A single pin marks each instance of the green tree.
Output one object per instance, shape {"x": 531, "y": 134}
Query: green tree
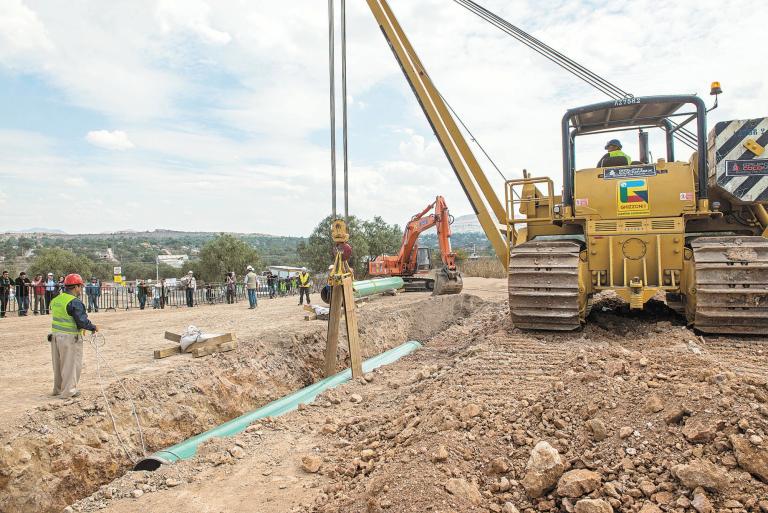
{"x": 223, "y": 254}
{"x": 60, "y": 262}
{"x": 317, "y": 252}
{"x": 382, "y": 238}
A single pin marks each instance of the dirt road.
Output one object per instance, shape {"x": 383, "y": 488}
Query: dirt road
{"x": 633, "y": 413}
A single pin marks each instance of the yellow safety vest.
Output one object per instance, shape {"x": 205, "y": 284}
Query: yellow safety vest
{"x": 619, "y": 153}
{"x": 61, "y": 321}
{"x": 304, "y": 278}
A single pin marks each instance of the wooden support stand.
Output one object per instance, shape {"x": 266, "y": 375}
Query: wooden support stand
{"x": 217, "y": 344}
{"x": 342, "y": 294}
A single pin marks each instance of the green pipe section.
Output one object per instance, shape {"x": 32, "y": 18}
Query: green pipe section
{"x": 365, "y": 288}
{"x": 188, "y": 448}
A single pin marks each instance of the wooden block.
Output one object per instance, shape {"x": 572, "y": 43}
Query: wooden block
{"x": 310, "y": 317}
{"x": 332, "y": 338}
{"x": 173, "y": 337}
{"x": 213, "y": 341}
{"x": 168, "y": 351}
{"x": 353, "y": 335}
{"x": 220, "y": 348}
{"x": 309, "y": 308}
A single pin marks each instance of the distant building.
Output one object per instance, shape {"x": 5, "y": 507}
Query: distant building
{"x": 175, "y": 261}
{"x": 284, "y": 271}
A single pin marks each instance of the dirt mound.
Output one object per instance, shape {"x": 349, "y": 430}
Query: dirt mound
{"x": 65, "y": 451}
{"x": 578, "y": 422}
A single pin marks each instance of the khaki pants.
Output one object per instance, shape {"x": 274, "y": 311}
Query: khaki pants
{"x": 67, "y": 358}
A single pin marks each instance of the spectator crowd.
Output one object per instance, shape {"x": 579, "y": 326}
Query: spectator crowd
{"x": 36, "y": 294}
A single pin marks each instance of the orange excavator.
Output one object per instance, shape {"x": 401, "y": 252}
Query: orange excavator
{"x": 414, "y": 264}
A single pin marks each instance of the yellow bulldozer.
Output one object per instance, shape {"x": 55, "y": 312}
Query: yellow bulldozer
{"x": 693, "y": 232}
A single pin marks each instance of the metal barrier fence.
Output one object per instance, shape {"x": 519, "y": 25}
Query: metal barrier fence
{"x": 126, "y": 297}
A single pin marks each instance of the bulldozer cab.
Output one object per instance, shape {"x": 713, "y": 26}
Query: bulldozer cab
{"x": 635, "y": 114}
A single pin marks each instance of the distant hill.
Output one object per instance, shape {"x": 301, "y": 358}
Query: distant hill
{"x": 37, "y": 230}
{"x": 466, "y": 224}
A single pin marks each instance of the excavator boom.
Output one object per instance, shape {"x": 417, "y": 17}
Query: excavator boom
{"x": 447, "y": 279}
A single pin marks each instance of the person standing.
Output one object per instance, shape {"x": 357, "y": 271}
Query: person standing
{"x": 252, "y": 285}
{"x": 231, "y": 287}
{"x": 68, "y": 319}
{"x": 23, "y": 284}
{"x": 304, "y": 284}
{"x": 92, "y": 292}
{"x": 190, "y": 286}
{"x": 271, "y": 284}
{"x": 5, "y": 292}
{"x": 158, "y": 293}
{"x": 141, "y": 294}
{"x": 50, "y": 292}
{"x": 38, "y": 287}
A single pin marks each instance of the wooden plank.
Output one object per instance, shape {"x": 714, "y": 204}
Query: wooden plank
{"x": 213, "y": 341}
{"x": 173, "y": 337}
{"x": 332, "y": 339}
{"x": 220, "y": 348}
{"x": 168, "y": 351}
{"x": 310, "y": 317}
{"x": 309, "y": 308}
{"x": 353, "y": 335}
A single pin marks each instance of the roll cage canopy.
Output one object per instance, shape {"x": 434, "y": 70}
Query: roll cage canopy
{"x": 632, "y": 114}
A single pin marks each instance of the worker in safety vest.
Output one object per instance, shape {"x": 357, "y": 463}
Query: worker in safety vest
{"x": 252, "y": 285}
{"x": 614, "y": 157}
{"x": 304, "y": 282}
{"x": 68, "y": 319}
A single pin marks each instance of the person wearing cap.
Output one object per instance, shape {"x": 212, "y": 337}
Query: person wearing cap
{"x": 68, "y": 320}
{"x": 304, "y": 282}
{"x": 92, "y": 292}
{"x": 50, "y": 292}
{"x": 190, "y": 284}
{"x": 614, "y": 157}
{"x": 251, "y": 285}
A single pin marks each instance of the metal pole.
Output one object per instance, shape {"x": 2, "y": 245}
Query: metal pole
{"x": 331, "y": 66}
{"x": 344, "y": 104}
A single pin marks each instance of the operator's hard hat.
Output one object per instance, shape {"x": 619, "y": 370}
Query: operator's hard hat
{"x": 613, "y": 142}
{"x": 190, "y": 272}
{"x": 249, "y": 268}
{"x": 304, "y": 269}
{"x": 73, "y": 279}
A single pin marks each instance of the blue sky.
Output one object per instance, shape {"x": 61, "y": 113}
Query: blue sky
{"x": 198, "y": 115}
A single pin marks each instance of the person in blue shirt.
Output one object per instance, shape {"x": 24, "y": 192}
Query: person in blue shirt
{"x": 93, "y": 291}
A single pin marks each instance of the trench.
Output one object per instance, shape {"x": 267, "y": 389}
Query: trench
{"x": 65, "y": 453}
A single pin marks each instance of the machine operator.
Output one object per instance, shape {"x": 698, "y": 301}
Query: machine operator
{"x": 614, "y": 157}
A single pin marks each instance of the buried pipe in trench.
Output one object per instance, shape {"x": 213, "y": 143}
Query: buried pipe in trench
{"x": 188, "y": 448}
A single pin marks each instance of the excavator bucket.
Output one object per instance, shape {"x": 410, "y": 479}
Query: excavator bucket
{"x": 447, "y": 282}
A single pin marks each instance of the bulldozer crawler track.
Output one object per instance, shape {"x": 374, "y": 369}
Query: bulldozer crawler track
{"x": 544, "y": 286}
{"x": 731, "y": 285}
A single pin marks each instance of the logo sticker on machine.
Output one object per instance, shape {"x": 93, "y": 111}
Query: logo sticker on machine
{"x": 686, "y": 196}
{"x": 746, "y": 167}
{"x": 613, "y": 173}
{"x": 632, "y": 198}
{"x": 582, "y": 202}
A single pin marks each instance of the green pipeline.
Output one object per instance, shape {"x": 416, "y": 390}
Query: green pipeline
{"x": 365, "y": 288}
{"x": 188, "y": 448}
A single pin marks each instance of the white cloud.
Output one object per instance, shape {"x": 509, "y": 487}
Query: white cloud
{"x": 114, "y": 140}
{"x": 190, "y": 15}
{"x": 21, "y": 32}
{"x": 75, "y": 181}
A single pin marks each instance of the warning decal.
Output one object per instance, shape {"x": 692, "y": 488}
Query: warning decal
{"x": 632, "y": 198}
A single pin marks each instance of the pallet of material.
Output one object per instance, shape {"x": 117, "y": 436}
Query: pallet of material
{"x": 215, "y": 344}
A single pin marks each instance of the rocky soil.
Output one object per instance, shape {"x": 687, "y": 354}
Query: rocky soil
{"x": 634, "y": 413}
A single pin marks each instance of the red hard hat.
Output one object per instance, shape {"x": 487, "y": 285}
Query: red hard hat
{"x": 73, "y": 279}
